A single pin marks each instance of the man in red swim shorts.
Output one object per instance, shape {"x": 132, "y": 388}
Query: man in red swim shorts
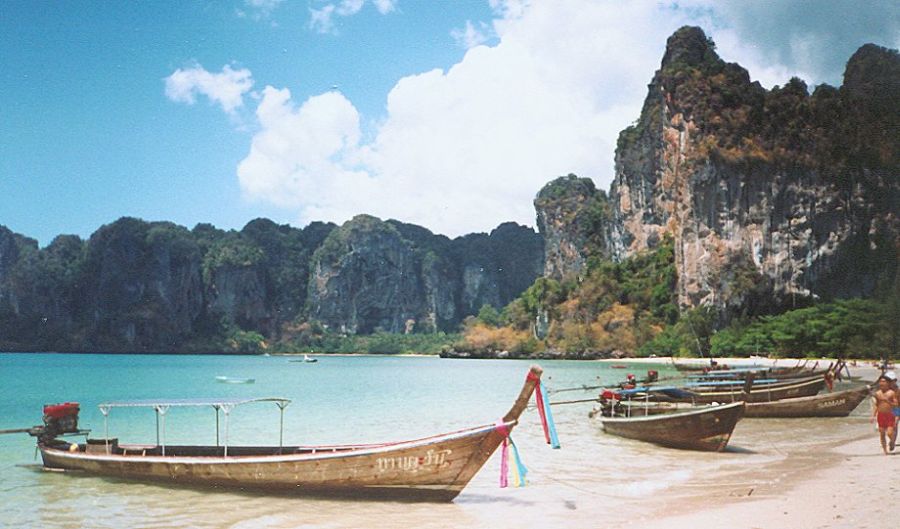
{"x": 885, "y": 400}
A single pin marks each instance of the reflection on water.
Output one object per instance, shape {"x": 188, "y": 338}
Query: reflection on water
{"x": 596, "y": 479}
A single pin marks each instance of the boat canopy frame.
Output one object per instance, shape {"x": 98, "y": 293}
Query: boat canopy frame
{"x": 161, "y": 407}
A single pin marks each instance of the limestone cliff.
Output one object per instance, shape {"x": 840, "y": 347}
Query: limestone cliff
{"x": 772, "y": 195}
{"x": 155, "y": 286}
{"x": 142, "y": 286}
{"x": 373, "y": 275}
{"x": 572, "y": 215}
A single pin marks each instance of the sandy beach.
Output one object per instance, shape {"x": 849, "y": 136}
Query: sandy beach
{"x": 855, "y": 487}
{"x": 851, "y": 485}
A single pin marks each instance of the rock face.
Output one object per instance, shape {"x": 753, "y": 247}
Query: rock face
{"x": 772, "y": 197}
{"x": 155, "y": 286}
{"x": 142, "y": 285}
{"x": 372, "y": 275}
{"x": 572, "y": 216}
{"x": 366, "y": 277}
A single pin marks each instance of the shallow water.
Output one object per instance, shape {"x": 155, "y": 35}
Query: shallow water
{"x": 595, "y": 480}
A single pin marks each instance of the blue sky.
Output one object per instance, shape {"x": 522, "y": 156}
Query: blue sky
{"x": 447, "y": 114}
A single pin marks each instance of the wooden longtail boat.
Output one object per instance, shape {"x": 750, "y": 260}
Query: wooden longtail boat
{"x": 837, "y": 404}
{"x": 430, "y": 469}
{"x": 793, "y": 388}
{"x": 705, "y": 428}
{"x": 772, "y": 373}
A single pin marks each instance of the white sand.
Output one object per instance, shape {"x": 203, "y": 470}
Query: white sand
{"x": 858, "y": 492}
{"x": 853, "y": 485}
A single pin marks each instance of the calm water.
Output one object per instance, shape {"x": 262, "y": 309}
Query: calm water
{"x": 594, "y": 480}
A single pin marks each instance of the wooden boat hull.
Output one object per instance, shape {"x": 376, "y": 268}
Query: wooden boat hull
{"x": 837, "y": 404}
{"x": 708, "y": 428}
{"x": 798, "y": 388}
{"x": 434, "y": 469}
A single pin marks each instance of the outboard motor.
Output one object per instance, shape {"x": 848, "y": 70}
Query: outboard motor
{"x": 59, "y": 419}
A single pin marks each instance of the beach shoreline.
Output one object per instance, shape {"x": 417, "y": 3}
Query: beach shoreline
{"x": 847, "y": 484}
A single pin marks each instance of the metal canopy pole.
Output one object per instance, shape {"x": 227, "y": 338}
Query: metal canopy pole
{"x": 217, "y": 425}
{"x": 157, "y": 426}
{"x": 105, "y": 411}
{"x": 226, "y": 408}
{"x": 161, "y": 412}
{"x": 281, "y": 407}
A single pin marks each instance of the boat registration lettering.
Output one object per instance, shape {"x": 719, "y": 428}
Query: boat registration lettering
{"x": 832, "y": 403}
{"x": 432, "y": 458}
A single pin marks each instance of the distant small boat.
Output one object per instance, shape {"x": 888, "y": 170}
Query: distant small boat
{"x": 306, "y": 360}
{"x": 619, "y": 366}
{"x": 231, "y": 380}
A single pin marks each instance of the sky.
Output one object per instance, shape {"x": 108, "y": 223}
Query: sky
{"x": 448, "y": 114}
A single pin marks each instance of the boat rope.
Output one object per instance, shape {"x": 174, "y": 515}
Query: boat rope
{"x": 548, "y": 477}
{"x": 577, "y": 401}
{"x": 589, "y": 388}
{"x": 543, "y": 406}
{"x": 580, "y": 388}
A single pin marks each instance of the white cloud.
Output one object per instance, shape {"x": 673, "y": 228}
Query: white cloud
{"x": 812, "y": 40}
{"x": 349, "y": 7}
{"x": 226, "y": 88}
{"x": 302, "y": 155}
{"x": 385, "y": 6}
{"x": 470, "y": 36}
{"x": 321, "y": 20}
{"x": 258, "y": 9}
{"x": 464, "y": 149}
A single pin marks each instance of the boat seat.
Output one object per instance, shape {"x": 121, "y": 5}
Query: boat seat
{"x": 136, "y": 448}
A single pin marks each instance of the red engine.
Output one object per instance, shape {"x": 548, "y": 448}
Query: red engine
{"x": 610, "y": 395}
{"x": 59, "y": 419}
{"x": 58, "y": 411}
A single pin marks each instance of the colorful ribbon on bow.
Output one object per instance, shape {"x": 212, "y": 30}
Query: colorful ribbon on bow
{"x": 518, "y": 470}
{"x": 543, "y": 406}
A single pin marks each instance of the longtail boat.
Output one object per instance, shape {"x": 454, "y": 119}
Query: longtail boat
{"x": 435, "y": 468}
{"x": 725, "y": 391}
{"x": 706, "y": 428}
{"x": 781, "y": 373}
{"x": 736, "y": 392}
{"x": 836, "y": 404}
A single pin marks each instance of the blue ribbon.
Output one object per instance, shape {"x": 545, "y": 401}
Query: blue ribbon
{"x": 554, "y": 440}
{"x": 519, "y": 466}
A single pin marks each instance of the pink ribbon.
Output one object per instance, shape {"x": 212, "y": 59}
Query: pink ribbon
{"x": 540, "y": 405}
{"x": 503, "y": 430}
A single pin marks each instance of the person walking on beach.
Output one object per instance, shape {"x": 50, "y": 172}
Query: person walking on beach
{"x": 885, "y": 401}
{"x": 892, "y": 377}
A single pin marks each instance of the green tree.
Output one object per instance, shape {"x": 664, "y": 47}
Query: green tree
{"x": 488, "y": 315}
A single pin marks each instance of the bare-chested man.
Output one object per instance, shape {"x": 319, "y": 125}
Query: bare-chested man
{"x": 883, "y": 412}
{"x": 892, "y": 377}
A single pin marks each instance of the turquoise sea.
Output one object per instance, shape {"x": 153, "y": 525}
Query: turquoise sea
{"x": 593, "y": 480}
